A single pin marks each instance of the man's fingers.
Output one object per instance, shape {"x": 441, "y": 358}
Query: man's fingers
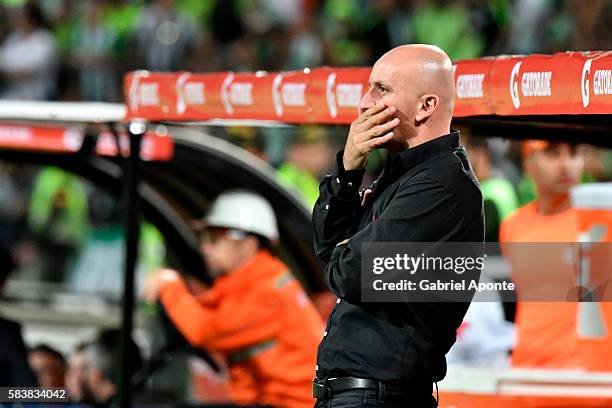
{"x": 381, "y": 130}
{"x": 377, "y": 141}
{"x": 379, "y": 107}
{"x": 382, "y": 117}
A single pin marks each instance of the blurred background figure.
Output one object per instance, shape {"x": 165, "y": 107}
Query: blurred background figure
{"x": 75, "y": 380}
{"x": 485, "y": 338}
{"x": 14, "y": 368}
{"x": 13, "y": 206}
{"x": 546, "y": 331}
{"x": 498, "y": 193}
{"x": 305, "y": 46}
{"x": 101, "y": 367}
{"x": 92, "y": 48}
{"x": 308, "y": 157}
{"x": 256, "y": 315}
{"x": 164, "y": 37}
{"x": 28, "y": 60}
{"x": 250, "y": 139}
{"x": 58, "y": 220}
{"x": 98, "y": 265}
{"x": 48, "y": 364}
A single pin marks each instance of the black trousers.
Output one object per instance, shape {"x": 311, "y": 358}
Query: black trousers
{"x": 385, "y": 397}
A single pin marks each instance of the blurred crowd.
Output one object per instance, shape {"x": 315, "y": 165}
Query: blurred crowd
{"x": 79, "y": 50}
{"x": 66, "y": 232}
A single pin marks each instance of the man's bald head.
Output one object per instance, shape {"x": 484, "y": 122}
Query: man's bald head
{"x": 426, "y": 67}
{"x": 418, "y": 81}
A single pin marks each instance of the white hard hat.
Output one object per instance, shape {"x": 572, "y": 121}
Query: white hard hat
{"x": 245, "y": 211}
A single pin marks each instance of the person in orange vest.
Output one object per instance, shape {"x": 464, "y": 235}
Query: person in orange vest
{"x": 545, "y": 330}
{"x": 256, "y": 314}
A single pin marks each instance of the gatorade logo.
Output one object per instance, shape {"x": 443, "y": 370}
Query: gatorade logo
{"x": 470, "y": 86}
{"x": 236, "y": 93}
{"x": 536, "y": 83}
{"x": 241, "y": 93}
{"x": 188, "y": 93}
{"x": 342, "y": 95}
{"x": 602, "y": 82}
{"x": 294, "y": 94}
{"x": 146, "y": 94}
{"x": 330, "y": 94}
{"x": 224, "y": 94}
{"x": 584, "y": 83}
{"x": 287, "y": 94}
{"x": 133, "y": 91}
{"x": 348, "y": 95}
{"x": 276, "y": 97}
{"x": 514, "y": 91}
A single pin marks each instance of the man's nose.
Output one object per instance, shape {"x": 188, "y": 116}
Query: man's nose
{"x": 366, "y": 102}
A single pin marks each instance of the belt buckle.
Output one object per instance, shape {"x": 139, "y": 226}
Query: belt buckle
{"x": 320, "y": 390}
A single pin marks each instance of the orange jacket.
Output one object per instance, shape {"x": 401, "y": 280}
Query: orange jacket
{"x": 546, "y": 331}
{"x": 259, "y": 318}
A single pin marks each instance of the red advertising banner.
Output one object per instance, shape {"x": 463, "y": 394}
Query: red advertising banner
{"x": 472, "y": 91}
{"x": 42, "y": 139}
{"x": 568, "y": 83}
{"x": 155, "y": 146}
{"x": 572, "y": 83}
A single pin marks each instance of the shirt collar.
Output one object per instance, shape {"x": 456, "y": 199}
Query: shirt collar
{"x": 409, "y": 158}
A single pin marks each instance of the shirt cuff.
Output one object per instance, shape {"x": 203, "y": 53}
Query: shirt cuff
{"x": 346, "y": 183}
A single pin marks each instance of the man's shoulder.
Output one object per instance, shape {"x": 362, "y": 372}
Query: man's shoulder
{"x": 450, "y": 170}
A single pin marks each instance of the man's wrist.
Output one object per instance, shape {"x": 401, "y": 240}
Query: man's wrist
{"x": 346, "y": 181}
{"x": 351, "y": 165}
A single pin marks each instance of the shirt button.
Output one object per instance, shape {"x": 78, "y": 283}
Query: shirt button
{"x": 338, "y": 301}
{"x": 327, "y": 206}
{"x": 325, "y": 333}
{"x": 350, "y": 184}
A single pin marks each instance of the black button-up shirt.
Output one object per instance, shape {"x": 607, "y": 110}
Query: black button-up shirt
{"x": 425, "y": 194}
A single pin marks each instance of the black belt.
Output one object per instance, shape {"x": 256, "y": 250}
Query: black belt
{"x": 322, "y": 389}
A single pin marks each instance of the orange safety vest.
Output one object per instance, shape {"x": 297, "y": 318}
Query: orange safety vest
{"x": 260, "y": 319}
{"x": 547, "y": 331}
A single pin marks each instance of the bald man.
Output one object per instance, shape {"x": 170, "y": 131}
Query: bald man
{"x": 386, "y": 354}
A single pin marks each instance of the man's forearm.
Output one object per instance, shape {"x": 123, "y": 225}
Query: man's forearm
{"x": 337, "y": 209}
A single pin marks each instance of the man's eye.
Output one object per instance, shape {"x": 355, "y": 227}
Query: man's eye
{"x": 382, "y": 88}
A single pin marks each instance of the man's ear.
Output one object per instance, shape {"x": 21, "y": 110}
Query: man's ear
{"x": 428, "y": 103}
